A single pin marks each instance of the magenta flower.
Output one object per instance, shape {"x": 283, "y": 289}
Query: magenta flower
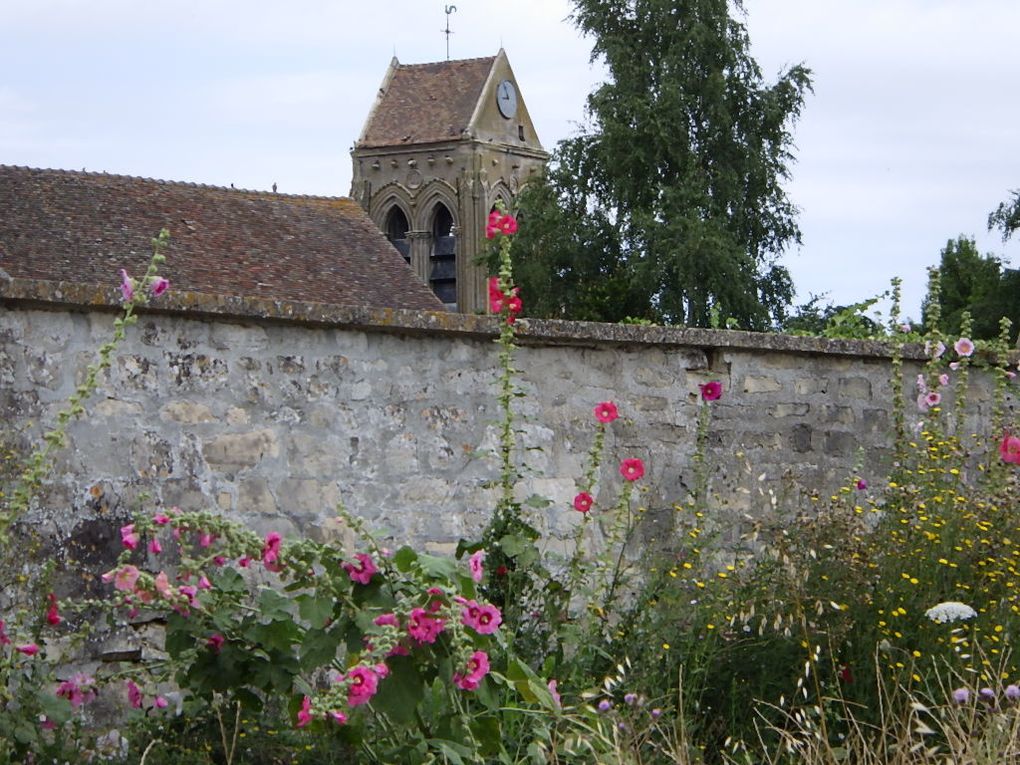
{"x": 711, "y": 391}
{"x": 424, "y": 627}
{"x": 29, "y": 649}
{"x": 933, "y": 398}
{"x": 476, "y": 669}
{"x": 606, "y": 412}
{"x": 583, "y": 502}
{"x": 53, "y": 612}
{"x": 963, "y": 346}
{"x": 206, "y": 539}
{"x": 362, "y": 571}
{"x": 155, "y": 547}
{"x": 163, "y": 586}
{"x": 632, "y": 469}
{"x": 304, "y": 715}
{"x": 161, "y": 519}
{"x": 158, "y": 286}
{"x": 482, "y": 618}
{"x": 475, "y": 564}
{"x": 551, "y": 685}
{"x": 78, "y": 690}
{"x": 127, "y": 286}
{"x": 338, "y": 717}
{"x": 125, "y": 578}
{"x": 134, "y": 694}
{"x": 4, "y": 640}
{"x": 363, "y": 684}
{"x": 271, "y": 551}
{"x": 128, "y": 536}
{"x": 159, "y": 702}
{"x": 861, "y": 484}
{"x": 943, "y": 379}
{"x": 1009, "y": 449}
{"x": 215, "y": 642}
{"x": 386, "y": 620}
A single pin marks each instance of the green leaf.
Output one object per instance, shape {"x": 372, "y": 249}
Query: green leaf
{"x": 316, "y": 610}
{"x": 537, "y": 501}
{"x": 319, "y": 648}
{"x": 404, "y": 559}
{"x": 56, "y": 709}
{"x": 402, "y": 692}
{"x": 272, "y": 605}
{"x": 440, "y": 568}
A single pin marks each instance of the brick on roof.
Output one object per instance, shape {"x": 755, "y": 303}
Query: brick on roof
{"x": 427, "y": 103}
{"x": 83, "y": 227}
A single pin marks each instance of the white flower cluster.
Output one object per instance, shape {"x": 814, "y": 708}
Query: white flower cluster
{"x": 950, "y": 611}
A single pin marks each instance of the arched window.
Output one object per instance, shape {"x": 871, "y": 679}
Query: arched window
{"x": 443, "y": 257}
{"x": 396, "y": 227}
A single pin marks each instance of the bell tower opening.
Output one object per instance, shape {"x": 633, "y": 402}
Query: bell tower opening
{"x": 443, "y": 257}
{"x": 396, "y": 228}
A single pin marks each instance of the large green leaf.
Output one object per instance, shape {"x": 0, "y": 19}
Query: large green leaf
{"x": 317, "y": 610}
{"x": 402, "y": 692}
{"x": 319, "y": 648}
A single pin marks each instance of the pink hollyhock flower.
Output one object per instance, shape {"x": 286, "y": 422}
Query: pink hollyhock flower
{"x": 128, "y": 536}
{"x": 159, "y": 702}
{"x": 943, "y": 379}
{"x": 482, "y": 618}
{"x": 78, "y": 690}
{"x": 155, "y": 547}
{"x": 4, "y": 640}
{"x": 304, "y": 715}
{"x": 381, "y": 670}
{"x": 424, "y": 627}
{"x": 161, "y": 519}
{"x": 53, "y": 612}
{"x": 206, "y": 539}
{"x": 386, "y": 620}
{"x": 495, "y": 295}
{"x": 134, "y": 694}
{"x": 244, "y": 561}
{"x": 477, "y": 668}
{"x": 583, "y": 502}
{"x": 271, "y": 551}
{"x": 363, "y": 684}
{"x": 514, "y": 306}
{"x": 162, "y": 585}
{"x": 606, "y": 412}
{"x": 861, "y": 484}
{"x": 922, "y": 402}
{"x": 1009, "y": 449}
{"x": 632, "y": 469}
{"x": 508, "y": 225}
{"x": 963, "y": 346}
{"x": 188, "y": 591}
{"x": 362, "y": 571}
{"x": 936, "y": 351}
{"x": 204, "y": 583}
{"x": 158, "y": 286}
{"x": 934, "y": 398}
{"x": 127, "y": 286}
{"x": 215, "y": 642}
{"x": 905, "y": 327}
{"x": 954, "y": 365}
{"x": 338, "y": 717}
{"x": 125, "y": 578}
{"x": 922, "y": 384}
{"x": 492, "y": 225}
{"x": 711, "y": 391}
{"x": 475, "y": 564}
{"x": 29, "y": 649}
{"x": 219, "y": 560}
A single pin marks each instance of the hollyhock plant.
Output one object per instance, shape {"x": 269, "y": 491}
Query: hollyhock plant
{"x": 632, "y": 469}
{"x": 1009, "y": 449}
{"x": 477, "y": 668}
{"x": 482, "y": 618}
{"x": 362, "y": 571}
{"x": 583, "y": 502}
{"x": 363, "y": 684}
{"x": 475, "y": 565}
{"x": 606, "y": 412}
{"x": 963, "y": 347}
{"x": 711, "y": 391}
{"x": 424, "y": 627}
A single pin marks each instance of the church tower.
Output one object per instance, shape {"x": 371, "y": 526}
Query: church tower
{"x": 443, "y": 143}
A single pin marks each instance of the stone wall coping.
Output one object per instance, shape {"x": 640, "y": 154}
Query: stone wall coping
{"x": 52, "y": 295}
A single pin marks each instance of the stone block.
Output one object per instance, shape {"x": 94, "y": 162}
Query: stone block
{"x": 854, "y": 387}
{"x": 761, "y": 384}
{"x": 233, "y": 451}
{"x": 800, "y": 438}
{"x": 186, "y": 412}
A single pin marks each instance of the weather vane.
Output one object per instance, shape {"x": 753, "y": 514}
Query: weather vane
{"x": 448, "y": 9}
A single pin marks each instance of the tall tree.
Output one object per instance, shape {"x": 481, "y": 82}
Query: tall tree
{"x": 1006, "y": 216}
{"x": 669, "y": 202}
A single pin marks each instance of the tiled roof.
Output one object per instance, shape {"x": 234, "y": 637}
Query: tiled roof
{"x": 425, "y": 103}
{"x": 83, "y": 227}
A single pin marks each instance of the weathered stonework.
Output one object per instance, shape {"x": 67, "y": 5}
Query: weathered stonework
{"x": 272, "y": 413}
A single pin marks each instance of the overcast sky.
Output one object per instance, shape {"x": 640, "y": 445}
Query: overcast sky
{"x": 910, "y": 138}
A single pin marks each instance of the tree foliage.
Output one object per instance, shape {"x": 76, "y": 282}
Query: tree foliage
{"x": 669, "y": 202}
{"x": 1006, "y": 216}
{"x": 976, "y": 283}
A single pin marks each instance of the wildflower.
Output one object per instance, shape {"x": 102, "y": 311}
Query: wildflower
{"x": 204, "y": 583}
{"x": 53, "y": 612}
{"x": 161, "y": 519}
{"x": 583, "y": 502}
{"x": 215, "y": 642}
{"x": 363, "y": 571}
{"x": 338, "y": 717}
{"x": 558, "y": 702}
{"x": 134, "y": 694}
{"x": 943, "y": 379}
{"x": 963, "y": 346}
{"x": 954, "y": 365}
{"x": 630, "y": 699}
{"x": 845, "y": 674}
{"x": 29, "y": 649}
{"x": 155, "y": 547}
{"x": 159, "y": 702}
{"x": 127, "y": 286}
{"x": 711, "y": 391}
{"x": 922, "y": 402}
{"x": 606, "y": 412}
{"x": 271, "y": 551}
{"x": 477, "y": 668}
{"x": 1012, "y": 692}
{"x": 158, "y": 286}
{"x": 934, "y": 398}
{"x": 1009, "y": 449}
{"x": 363, "y": 684}
{"x": 861, "y": 484}
{"x": 206, "y": 539}
{"x": 304, "y": 715}
{"x": 605, "y": 705}
{"x": 4, "y": 640}
{"x": 961, "y": 695}
{"x": 385, "y": 620}
{"x": 475, "y": 564}
{"x": 905, "y": 327}
{"x": 424, "y": 627}
{"x": 128, "y": 536}
{"x": 950, "y": 611}
{"x": 495, "y": 295}
{"x": 632, "y": 469}
{"x": 935, "y": 351}
{"x": 987, "y": 695}
{"x": 656, "y": 713}
{"x": 78, "y": 690}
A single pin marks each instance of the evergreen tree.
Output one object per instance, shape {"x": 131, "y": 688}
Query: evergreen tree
{"x": 669, "y": 203}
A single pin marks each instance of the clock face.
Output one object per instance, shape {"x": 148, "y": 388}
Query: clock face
{"x": 506, "y": 99}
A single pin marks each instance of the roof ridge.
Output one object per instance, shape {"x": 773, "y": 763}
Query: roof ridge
{"x": 448, "y": 61}
{"x": 163, "y": 181}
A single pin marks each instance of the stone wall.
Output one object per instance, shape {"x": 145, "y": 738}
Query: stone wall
{"x": 274, "y": 412}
